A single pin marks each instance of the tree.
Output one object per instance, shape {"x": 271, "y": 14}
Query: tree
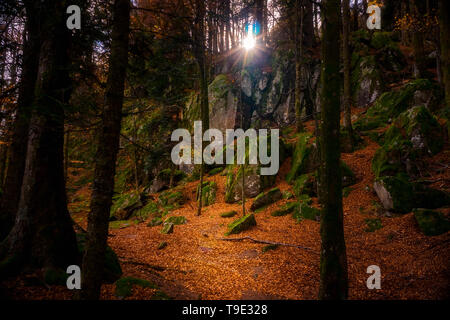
{"x": 347, "y": 89}
{"x": 418, "y": 41}
{"x": 18, "y": 149}
{"x": 444, "y": 26}
{"x": 106, "y": 156}
{"x": 333, "y": 260}
{"x": 42, "y": 234}
{"x": 199, "y": 53}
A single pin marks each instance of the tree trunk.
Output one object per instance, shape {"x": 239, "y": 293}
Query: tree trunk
{"x": 444, "y": 20}
{"x": 106, "y": 157}
{"x": 42, "y": 234}
{"x": 18, "y": 148}
{"x": 199, "y": 52}
{"x": 298, "y": 36}
{"x": 418, "y": 44}
{"x": 347, "y": 89}
{"x": 333, "y": 261}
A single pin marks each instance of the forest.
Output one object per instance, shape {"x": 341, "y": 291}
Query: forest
{"x": 224, "y": 150}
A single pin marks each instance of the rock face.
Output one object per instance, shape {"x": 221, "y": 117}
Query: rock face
{"x": 368, "y": 82}
{"x": 264, "y": 199}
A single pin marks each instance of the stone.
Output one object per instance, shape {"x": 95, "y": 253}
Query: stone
{"x": 228, "y": 214}
{"x": 167, "y": 228}
{"x": 266, "y": 198}
{"x": 285, "y": 209}
{"x": 241, "y": 224}
{"x": 303, "y": 211}
{"x": 431, "y": 223}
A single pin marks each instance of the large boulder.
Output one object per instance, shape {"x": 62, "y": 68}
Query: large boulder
{"x": 125, "y": 205}
{"x": 399, "y": 195}
{"x": 413, "y": 134}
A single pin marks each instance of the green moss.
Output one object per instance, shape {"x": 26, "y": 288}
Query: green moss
{"x": 300, "y": 157}
{"x": 228, "y": 214}
{"x": 167, "y": 228}
{"x": 306, "y": 212}
{"x": 149, "y": 209}
{"x": 171, "y": 198}
{"x": 156, "y": 221}
{"x": 120, "y": 224}
{"x": 401, "y": 192}
{"x": 241, "y": 224}
{"x": 348, "y": 177}
{"x": 209, "y": 190}
{"x": 125, "y": 204}
{"x": 266, "y": 199}
{"x": 431, "y": 223}
{"x": 373, "y": 225}
{"x": 303, "y": 185}
{"x": 124, "y": 286}
{"x": 285, "y": 209}
{"x": 176, "y": 220}
{"x": 215, "y": 171}
{"x": 269, "y": 247}
{"x": 162, "y": 245}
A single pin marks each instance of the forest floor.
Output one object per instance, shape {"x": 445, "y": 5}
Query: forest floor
{"x": 197, "y": 264}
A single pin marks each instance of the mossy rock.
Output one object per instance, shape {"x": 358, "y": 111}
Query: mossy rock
{"x": 162, "y": 245}
{"x": 431, "y": 223}
{"x": 266, "y": 198}
{"x": 396, "y": 194}
{"x": 215, "y": 171}
{"x": 171, "y": 198}
{"x": 269, "y": 247}
{"x": 167, "y": 228}
{"x": 306, "y": 212}
{"x": 112, "y": 270}
{"x": 241, "y": 224}
{"x": 373, "y": 224}
{"x": 287, "y": 195}
{"x": 429, "y": 198}
{"x": 209, "y": 190}
{"x": 125, "y": 205}
{"x": 156, "y": 221}
{"x": 176, "y": 220}
{"x": 304, "y": 159}
{"x": 304, "y": 184}
{"x": 228, "y": 214}
{"x": 285, "y": 209}
{"x": 124, "y": 286}
{"x": 121, "y": 224}
{"x": 149, "y": 209}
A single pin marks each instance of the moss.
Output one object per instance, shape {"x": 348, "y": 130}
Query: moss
{"x": 125, "y": 205}
{"x": 176, "y": 220}
{"x": 269, "y": 247}
{"x": 120, "y": 224}
{"x": 306, "y": 212}
{"x": 425, "y": 197}
{"x": 167, "y": 228}
{"x": 348, "y": 177}
{"x": 215, "y": 171}
{"x": 266, "y": 198}
{"x": 241, "y": 224}
{"x": 285, "y": 209}
{"x": 156, "y": 221}
{"x": 300, "y": 157}
{"x": 149, "y": 209}
{"x": 373, "y": 224}
{"x": 209, "y": 190}
{"x": 112, "y": 270}
{"x": 124, "y": 286}
{"x": 431, "y": 223}
{"x": 382, "y": 39}
{"x": 302, "y": 185}
{"x": 174, "y": 198}
{"x": 162, "y": 245}
{"x": 228, "y": 214}
{"x": 401, "y": 192}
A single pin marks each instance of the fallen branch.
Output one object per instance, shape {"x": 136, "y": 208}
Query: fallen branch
{"x": 265, "y": 242}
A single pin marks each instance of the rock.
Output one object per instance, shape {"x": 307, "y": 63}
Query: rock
{"x": 241, "y": 224}
{"x": 228, "y": 214}
{"x": 395, "y": 194}
{"x": 167, "y": 228}
{"x": 267, "y": 198}
{"x": 208, "y": 193}
{"x": 171, "y": 198}
{"x": 125, "y": 205}
{"x": 304, "y": 159}
{"x": 285, "y": 209}
{"x": 176, "y": 220}
{"x": 124, "y": 286}
{"x": 304, "y": 184}
{"x": 348, "y": 177}
{"x": 431, "y": 223}
{"x": 303, "y": 211}
{"x": 367, "y": 82}
{"x": 162, "y": 180}
{"x": 398, "y": 195}
{"x": 162, "y": 245}
{"x": 284, "y": 115}
{"x": 155, "y": 222}
{"x": 223, "y": 102}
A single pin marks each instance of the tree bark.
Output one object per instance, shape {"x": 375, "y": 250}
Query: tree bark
{"x": 298, "y": 36}
{"x": 347, "y": 90}
{"x": 43, "y": 235}
{"x": 106, "y": 157}
{"x": 418, "y": 44}
{"x": 444, "y": 20}
{"x": 18, "y": 148}
{"x": 333, "y": 260}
